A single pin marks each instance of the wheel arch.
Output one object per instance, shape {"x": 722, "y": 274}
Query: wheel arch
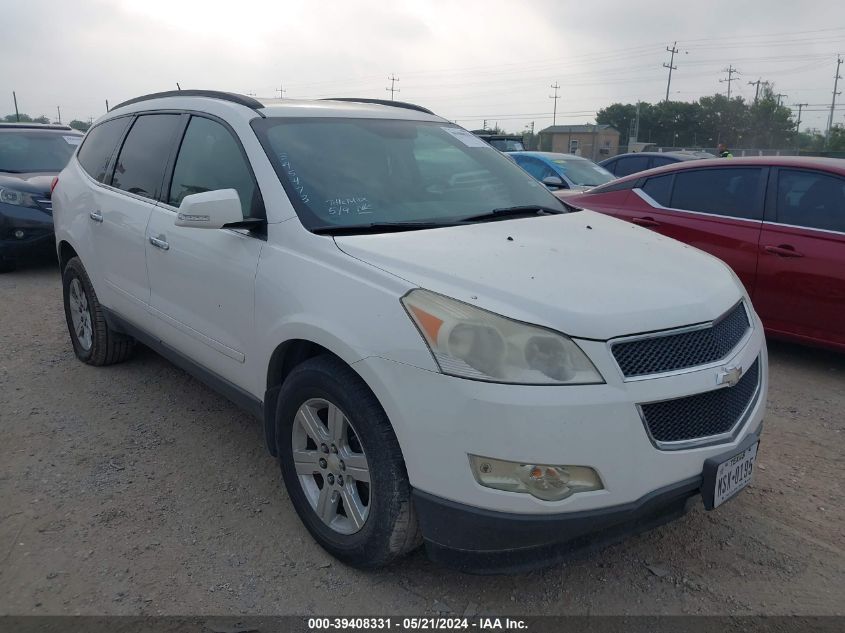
{"x": 285, "y": 357}
{"x": 66, "y": 252}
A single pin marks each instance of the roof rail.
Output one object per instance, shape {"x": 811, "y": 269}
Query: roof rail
{"x": 35, "y": 126}
{"x": 249, "y": 102}
{"x": 395, "y": 104}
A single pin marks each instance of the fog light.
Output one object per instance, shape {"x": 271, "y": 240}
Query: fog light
{"x": 544, "y": 481}
{"x": 19, "y": 234}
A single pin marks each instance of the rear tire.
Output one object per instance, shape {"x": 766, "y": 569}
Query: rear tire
{"x": 349, "y": 487}
{"x": 94, "y": 342}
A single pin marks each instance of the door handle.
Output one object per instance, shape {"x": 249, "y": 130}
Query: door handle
{"x": 97, "y": 216}
{"x": 782, "y": 250}
{"x": 645, "y": 221}
{"x": 159, "y": 242}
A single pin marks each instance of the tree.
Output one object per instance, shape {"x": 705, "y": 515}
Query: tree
{"x": 836, "y": 141}
{"x": 707, "y": 122}
{"x": 24, "y": 118}
{"x": 82, "y": 126}
{"x": 11, "y": 118}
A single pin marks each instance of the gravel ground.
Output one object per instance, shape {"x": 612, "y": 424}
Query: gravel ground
{"x": 134, "y": 489}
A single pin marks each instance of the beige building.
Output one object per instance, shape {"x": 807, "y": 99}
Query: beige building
{"x": 592, "y": 141}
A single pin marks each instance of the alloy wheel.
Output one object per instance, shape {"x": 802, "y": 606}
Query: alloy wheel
{"x": 331, "y": 466}
{"x": 80, "y": 314}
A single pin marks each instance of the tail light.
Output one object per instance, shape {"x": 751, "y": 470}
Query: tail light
{"x": 54, "y": 183}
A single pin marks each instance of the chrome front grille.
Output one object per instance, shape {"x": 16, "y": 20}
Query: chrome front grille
{"x": 46, "y": 204}
{"x": 707, "y": 417}
{"x": 681, "y": 349}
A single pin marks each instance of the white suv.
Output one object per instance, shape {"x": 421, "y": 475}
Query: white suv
{"x": 439, "y": 350}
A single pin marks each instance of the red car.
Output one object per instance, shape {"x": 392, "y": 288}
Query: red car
{"x": 779, "y": 222}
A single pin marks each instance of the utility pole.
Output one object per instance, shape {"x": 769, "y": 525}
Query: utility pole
{"x": 392, "y": 79}
{"x": 671, "y": 66}
{"x": 780, "y": 95}
{"x": 59, "y": 112}
{"x": 17, "y": 114}
{"x": 556, "y": 87}
{"x": 281, "y": 90}
{"x": 757, "y": 89}
{"x": 178, "y": 87}
{"x": 836, "y": 79}
{"x": 800, "y": 107}
{"x": 107, "y": 105}
{"x": 731, "y": 72}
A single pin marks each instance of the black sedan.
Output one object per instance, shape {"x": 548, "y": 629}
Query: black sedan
{"x": 31, "y": 155}
{"x": 626, "y": 164}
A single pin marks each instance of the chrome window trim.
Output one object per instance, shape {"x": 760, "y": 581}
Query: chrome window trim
{"x": 683, "y": 330}
{"x": 804, "y": 228}
{"x": 654, "y": 203}
{"x": 707, "y": 440}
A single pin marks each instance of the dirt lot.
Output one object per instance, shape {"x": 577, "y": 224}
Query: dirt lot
{"x": 136, "y": 490}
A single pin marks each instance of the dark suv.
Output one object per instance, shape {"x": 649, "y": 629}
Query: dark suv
{"x": 31, "y": 154}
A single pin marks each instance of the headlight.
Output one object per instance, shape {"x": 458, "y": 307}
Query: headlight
{"x": 473, "y": 343}
{"x": 17, "y": 198}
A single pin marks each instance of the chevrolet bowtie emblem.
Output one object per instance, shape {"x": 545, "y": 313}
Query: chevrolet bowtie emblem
{"x": 729, "y": 376}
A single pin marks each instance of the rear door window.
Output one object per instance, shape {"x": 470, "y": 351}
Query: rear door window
{"x": 631, "y": 165}
{"x": 811, "y": 199}
{"x": 209, "y": 159}
{"x": 733, "y": 192}
{"x": 99, "y": 145}
{"x": 659, "y": 188}
{"x": 139, "y": 168}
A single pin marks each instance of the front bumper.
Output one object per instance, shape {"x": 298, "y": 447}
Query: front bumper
{"x": 440, "y": 420}
{"x": 37, "y": 226}
{"x": 483, "y": 542}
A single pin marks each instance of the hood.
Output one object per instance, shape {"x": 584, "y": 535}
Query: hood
{"x": 584, "y": 274}
{"x": 30, "y": 183}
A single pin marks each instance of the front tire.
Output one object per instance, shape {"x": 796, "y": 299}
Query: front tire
{"x": 342, "y": 465}
{"x": 94, "y": 342}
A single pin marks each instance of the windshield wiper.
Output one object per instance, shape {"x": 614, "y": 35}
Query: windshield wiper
{"x": 509, "y": 212}
{"x": 379, "y": 227}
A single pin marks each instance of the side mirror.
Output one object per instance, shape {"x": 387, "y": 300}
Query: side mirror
{"x": 210, "y": 209}
{"x": 553, "y": 182}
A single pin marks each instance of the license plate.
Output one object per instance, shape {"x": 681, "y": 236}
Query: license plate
{"x": 734, "y": 474}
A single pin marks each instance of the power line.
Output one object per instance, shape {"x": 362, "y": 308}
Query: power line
{"x": 555, "y": 96}
{"x": 731, "y": 72}
{"x": 393, "y": 79}
{"x": 281, "y": 90}
{"x": 671, "y": 66}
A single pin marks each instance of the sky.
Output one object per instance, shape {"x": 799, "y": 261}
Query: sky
{"x": 468, "y": 60}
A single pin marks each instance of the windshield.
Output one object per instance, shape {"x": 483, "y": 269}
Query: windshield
{"x": 33, "y": 150}
{"x": 584, "y": 173}
{"x": 357, "y": 172}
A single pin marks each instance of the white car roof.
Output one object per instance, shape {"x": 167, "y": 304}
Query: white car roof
{"x": 223, "y": 102}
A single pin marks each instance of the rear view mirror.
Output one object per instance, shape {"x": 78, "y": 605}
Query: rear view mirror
{"x": 553, "y": 181}
{"x": 210, "y": 209}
